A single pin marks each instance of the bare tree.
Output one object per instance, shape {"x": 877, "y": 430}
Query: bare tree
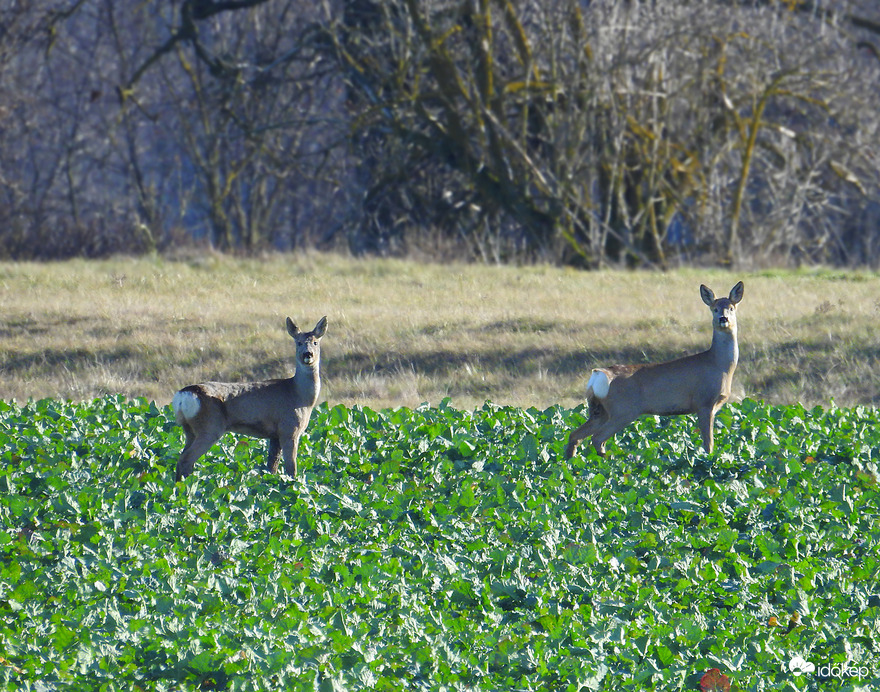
{"x": 649, "y": 133}
{"x": 643, "y": 132}
{"x": 245, "y": 97}
{"x": 123, "y": 123}
{"x": 61, "y": 195}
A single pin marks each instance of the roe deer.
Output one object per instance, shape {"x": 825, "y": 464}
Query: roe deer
{"x": 275, "y": 409}
{"x": 700, "y": 383}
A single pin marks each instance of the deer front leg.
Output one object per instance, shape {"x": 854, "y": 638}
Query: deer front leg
{"x": 289, "y": 449}
{"x": 706, "y": 420}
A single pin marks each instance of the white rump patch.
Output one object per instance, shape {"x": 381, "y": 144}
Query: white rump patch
{"x": 185, "y": 404}
{"x": 598, "y": 384}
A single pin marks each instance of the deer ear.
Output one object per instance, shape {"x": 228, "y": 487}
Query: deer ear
{"x": 707, "y": 295}
{"x": 321, "y": 327}
{"x": 292, "y": 329}
{"x": 736, "y": 293}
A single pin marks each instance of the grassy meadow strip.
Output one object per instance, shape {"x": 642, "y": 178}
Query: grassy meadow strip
{"x": 438, "y": 548}
{"x": 403, "y": 333}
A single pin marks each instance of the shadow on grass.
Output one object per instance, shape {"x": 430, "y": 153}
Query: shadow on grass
{"x": 847, "y": 371}
{"x": 71, "y": 359}
{"x": 815, "y": 371}
{"x": 447, "y": 363}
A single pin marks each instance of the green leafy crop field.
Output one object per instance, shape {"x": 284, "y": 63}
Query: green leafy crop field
{"x": 436, "y": 548}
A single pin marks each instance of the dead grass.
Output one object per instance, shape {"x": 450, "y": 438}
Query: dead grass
{"x": 405, "y": 333}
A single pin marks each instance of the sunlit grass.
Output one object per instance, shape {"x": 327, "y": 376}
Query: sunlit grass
{"x": 403, "y": 333}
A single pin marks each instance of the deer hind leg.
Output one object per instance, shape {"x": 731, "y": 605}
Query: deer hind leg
{"x": 196, "y": 445}
{"x": 608, "y": 428}
{"x": 577, "y": 436}
{"x": 605, "y": 422}
{"x": 598, "y": 416}
{"x": 274, "y": 454}
{"x": 184, "y": 454}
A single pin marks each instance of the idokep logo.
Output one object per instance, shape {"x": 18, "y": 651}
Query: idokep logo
{"x": 798, "y": 665}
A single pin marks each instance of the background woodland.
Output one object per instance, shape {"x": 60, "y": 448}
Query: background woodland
{"x": 579, "y": 133}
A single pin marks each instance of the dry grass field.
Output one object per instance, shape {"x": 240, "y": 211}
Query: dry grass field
{"x": 402, "y": 333}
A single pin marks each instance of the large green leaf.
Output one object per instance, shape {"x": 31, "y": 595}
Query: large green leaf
{"x": 437, "y": 548}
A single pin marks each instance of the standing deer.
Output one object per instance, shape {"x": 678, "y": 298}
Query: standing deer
{"x": 700, "y": 383}
{"x": 275, "y": 409}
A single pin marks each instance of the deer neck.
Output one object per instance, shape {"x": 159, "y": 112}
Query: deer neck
{"x": 724, "y": 349}
{"x": 307, "y": 383}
